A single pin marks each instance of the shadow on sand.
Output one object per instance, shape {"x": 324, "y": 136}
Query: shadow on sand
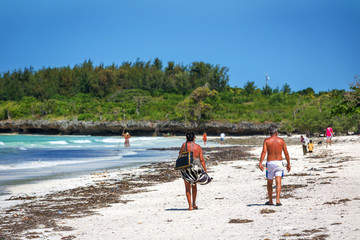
{"x": 257, "y": 204}
{"x": 180, "y": 209}
{"x": 176, "y": 209}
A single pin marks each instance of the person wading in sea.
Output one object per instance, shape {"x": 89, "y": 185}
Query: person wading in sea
{"x": 204, "y": 138}
{"x": 273, "y": 147}
{"x": 127, "y": 138}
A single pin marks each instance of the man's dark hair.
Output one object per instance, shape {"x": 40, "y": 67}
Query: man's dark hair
{"x": 273, "y": 130}
{"x": 190, "y": 136}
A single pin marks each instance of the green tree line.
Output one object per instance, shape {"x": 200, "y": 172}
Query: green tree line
{"x": 149, "y": 91}
{"x": 100, "y": 81}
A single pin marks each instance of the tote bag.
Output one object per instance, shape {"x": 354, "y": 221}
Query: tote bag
{"x": 185, "y": 159}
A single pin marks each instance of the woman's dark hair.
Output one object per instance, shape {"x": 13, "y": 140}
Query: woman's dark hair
{"x": 190, "y": 136}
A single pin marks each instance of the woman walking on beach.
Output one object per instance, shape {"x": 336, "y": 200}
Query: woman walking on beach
{"x": 197, "y": 173}
{"x": 329, "y": 135}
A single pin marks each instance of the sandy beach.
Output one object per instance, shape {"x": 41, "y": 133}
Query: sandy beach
{"x": 320, "y": 197}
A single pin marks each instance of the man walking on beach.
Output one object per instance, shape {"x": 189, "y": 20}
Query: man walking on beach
{"x": 305, "y": 141}
{"x": 273, "y": 147}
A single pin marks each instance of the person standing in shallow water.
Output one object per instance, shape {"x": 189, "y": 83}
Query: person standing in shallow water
{"x": 222, "y": 138}
{"x": 127, "y": 138}
{"x": 192, "y": 176}
{"x": 273, "y": 147}
{"x": 204, "y": 138}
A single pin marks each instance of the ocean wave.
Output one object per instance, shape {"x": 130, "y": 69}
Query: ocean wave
{"x": 81, "y": 141}
{"x": 110, "y": 140}
{"x": 128, "y": 153}
{"x": 58, "y": 142}
{"x": 46, "y": 164}
{"x": 148, "y": 138}
{"x": 2, "y": 143}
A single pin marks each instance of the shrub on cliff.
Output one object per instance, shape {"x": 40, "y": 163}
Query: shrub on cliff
{"x": 86, "y": 117}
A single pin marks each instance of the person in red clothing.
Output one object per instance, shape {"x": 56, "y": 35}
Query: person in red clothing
{"x": 204, "y": 138}
{"x": 329, "y": 135}
{"x": 197, "y": 173}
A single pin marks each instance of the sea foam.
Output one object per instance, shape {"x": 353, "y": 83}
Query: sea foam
{"x": 58, "y": 142}
{"x": 109, "y": 140}
{"x": 47, "y": 164}
{"x": 81, "y": 141}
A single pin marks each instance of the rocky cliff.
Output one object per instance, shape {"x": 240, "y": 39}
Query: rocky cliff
{"x": 138, "y": 128}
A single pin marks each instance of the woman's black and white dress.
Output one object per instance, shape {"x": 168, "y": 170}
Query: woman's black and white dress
{"x": 196, "y": 173}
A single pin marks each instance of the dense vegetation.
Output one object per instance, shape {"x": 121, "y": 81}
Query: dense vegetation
{"x": 149, "y": 91}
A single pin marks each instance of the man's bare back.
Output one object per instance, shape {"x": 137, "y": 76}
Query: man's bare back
{"x": 273, "y": 147}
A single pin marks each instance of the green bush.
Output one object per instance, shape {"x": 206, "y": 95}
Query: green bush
{"x": 86, "y": 117}
{"x": 108, "y": 117}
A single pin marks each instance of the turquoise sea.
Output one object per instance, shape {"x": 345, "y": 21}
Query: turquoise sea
{"x": 29, "y": 158}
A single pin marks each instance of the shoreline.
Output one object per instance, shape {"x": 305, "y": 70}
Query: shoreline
{"x": 230, "y": 141}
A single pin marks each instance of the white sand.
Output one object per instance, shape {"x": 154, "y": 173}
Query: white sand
{"x": 240, "y": 193}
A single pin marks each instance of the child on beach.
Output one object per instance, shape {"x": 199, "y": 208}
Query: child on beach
{"x": 311, "y": 147}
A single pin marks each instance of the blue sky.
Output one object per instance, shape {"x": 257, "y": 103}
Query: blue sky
{"x": 308, "y": 43}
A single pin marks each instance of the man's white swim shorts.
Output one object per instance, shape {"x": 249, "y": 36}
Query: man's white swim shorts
{"x": 274, "y": 168}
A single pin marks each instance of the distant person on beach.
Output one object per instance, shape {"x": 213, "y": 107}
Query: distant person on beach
{"x": 127, "y": 137}
{"x": 204, "y": 138}
{"x": 329, "y": 135}
{"x": 222, "y": 138}
{"x": 197, "y": 173}
{"x": 305, "y": 142}
{"x": 273, "y": 147}
{"x": 302, "y": 140}
{"x": 311, "y": 147}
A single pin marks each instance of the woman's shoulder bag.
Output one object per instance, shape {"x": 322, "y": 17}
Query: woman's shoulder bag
{"x": 185, "y": 159}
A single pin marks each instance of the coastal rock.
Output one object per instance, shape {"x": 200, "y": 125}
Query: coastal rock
{"x": 144, "y": 128}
